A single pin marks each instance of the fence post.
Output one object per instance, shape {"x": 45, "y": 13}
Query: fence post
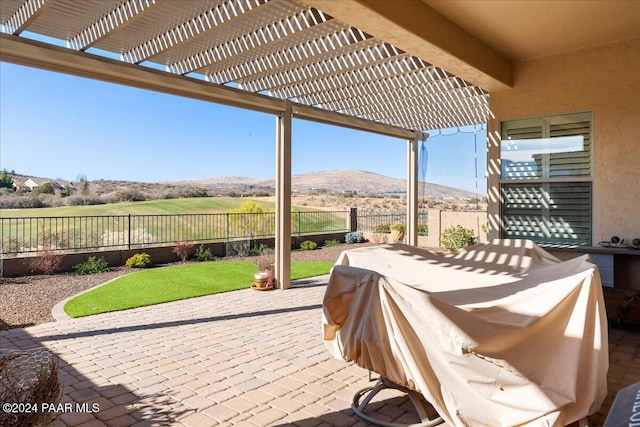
{"x": 298, "y": 223}
{"x": 226, "y": 233}
{"x": 129, "y": 233}
{"x": 352, "y": 223}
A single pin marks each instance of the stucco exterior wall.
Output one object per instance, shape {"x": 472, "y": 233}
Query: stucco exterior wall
{"x": 605, "y": 80}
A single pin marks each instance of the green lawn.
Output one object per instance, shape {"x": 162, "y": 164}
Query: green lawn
{"x": 153, "y": 221}
{"x": 158, "y": 285}
{"x": 195, "y": 205}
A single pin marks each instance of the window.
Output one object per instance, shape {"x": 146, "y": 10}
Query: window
{"x": 546, "y": 179}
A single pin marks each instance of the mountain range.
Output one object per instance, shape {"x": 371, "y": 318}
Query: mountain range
{"x": 335, "y": 181}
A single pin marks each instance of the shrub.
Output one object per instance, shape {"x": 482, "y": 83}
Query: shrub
{"x": 332, "y": 243}
{"x": 92, "y": 265}
{"x": 398, "y": 227}
{"x": 188, "y": 192}
{"x": 383, "y": 228}
{"x": 84, "y": 201}
{"x": 139, "y": 261}
{"x": 182, "y": 250}
{"x": 5, "y": 180}
{"x": 265, "y": 259}
{"x": 20, "y": 202}
{"x": 423, "y": 230}
{"x": 258, "y": 250}
{"x": 11, "y": 244}
{"x": 45, "y": 188}
{"x": 354, "y": 237}
{"x": 66, "y": 191}
{"x": 203, "y": 254}
{"x": 457, "y": 237}
{"x": 130, "y": 196}
{"x": 308, "y": 245}
{"x": 46, "y": 262}
{"x": 239, "y": 248}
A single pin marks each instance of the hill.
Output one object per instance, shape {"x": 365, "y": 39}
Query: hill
{"x": 336, "y": 181}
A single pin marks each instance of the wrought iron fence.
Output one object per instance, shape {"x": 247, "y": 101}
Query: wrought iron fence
{"x": 380, "y": 221}
{"x": 79, "y": 233}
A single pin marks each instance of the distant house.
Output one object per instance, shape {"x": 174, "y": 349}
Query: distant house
{"x": 31, "y": 183}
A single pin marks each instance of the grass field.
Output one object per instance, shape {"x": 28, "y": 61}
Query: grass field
{"x": 196, "y": 205}
{"x": 151, "y": 222}
{"x": 159, "y": 285}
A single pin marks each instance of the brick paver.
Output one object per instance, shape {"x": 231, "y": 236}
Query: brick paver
{"x": 238, "y": 358}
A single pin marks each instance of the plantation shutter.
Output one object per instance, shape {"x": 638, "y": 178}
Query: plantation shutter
{"x": 546, "y": 183}
{"x": 514, "y": 169}
{"x": 575, "y": 163}
{"x": 555, "y": 213}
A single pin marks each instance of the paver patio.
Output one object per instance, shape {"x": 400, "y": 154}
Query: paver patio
{"x": 238, "y": 358}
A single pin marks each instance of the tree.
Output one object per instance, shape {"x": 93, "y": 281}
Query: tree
{"x": 5, "y": 180}
{"x": 84, "y": 190}
{"x": 66, "y": 191}
{"x": 250, "y": 220}
{"x": 45, "y": 188}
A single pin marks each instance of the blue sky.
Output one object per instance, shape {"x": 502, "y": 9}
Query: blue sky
{"x": 58, "y": 126}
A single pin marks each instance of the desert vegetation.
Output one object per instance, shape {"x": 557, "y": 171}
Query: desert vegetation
{"x": 337, "y": 195}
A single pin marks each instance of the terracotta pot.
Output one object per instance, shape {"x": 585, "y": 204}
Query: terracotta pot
{"x": 271, "y": 276}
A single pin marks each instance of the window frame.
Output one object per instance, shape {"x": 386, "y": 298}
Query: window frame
{"x": 545, "y": 181}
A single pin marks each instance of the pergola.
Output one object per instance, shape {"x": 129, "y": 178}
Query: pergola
{"x": 283, "y": 57}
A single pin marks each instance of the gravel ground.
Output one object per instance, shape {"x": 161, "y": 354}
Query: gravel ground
{"x": 28, "y": 300}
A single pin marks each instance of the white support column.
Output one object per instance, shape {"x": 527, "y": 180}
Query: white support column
{"x": 412, "y": 192}
{"x": 283, "y": 198}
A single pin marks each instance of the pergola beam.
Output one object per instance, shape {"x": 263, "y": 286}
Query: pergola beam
{"x": 417, "y": 28}
{"x": 306, "y": 112}
{"x": 36, "y": 54}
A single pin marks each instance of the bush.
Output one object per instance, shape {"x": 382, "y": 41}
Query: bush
{"x": 130, "y": 196}
{"x": 423, "y": 230}
{"x": 457, "y": 237}
{"x": 46, "y": 262}
{"x": 398, "y": 227}
{"x": 354, "y": 237}
{"x": 92, "y": 265}
{"x": 5, "y": 180}
{"x": 20, "y": 202}
{"x": 383, "y": 228}
{"x": 45, "y": 188}
{"x": 239, "y": 248}
{"x": 258, "y": 250}
{"x": 11, "y": 244}
{"x": 203, "y": 254}
{"x": 84, "y": 201}
{"x": 139, "y": 261}
{"x": 182, "y": 250}
{"x": 266, "y": 258}
{"x": 188, "y": 192}
{"x": 332, "y": 243}
{"x": 308, "y": 245}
